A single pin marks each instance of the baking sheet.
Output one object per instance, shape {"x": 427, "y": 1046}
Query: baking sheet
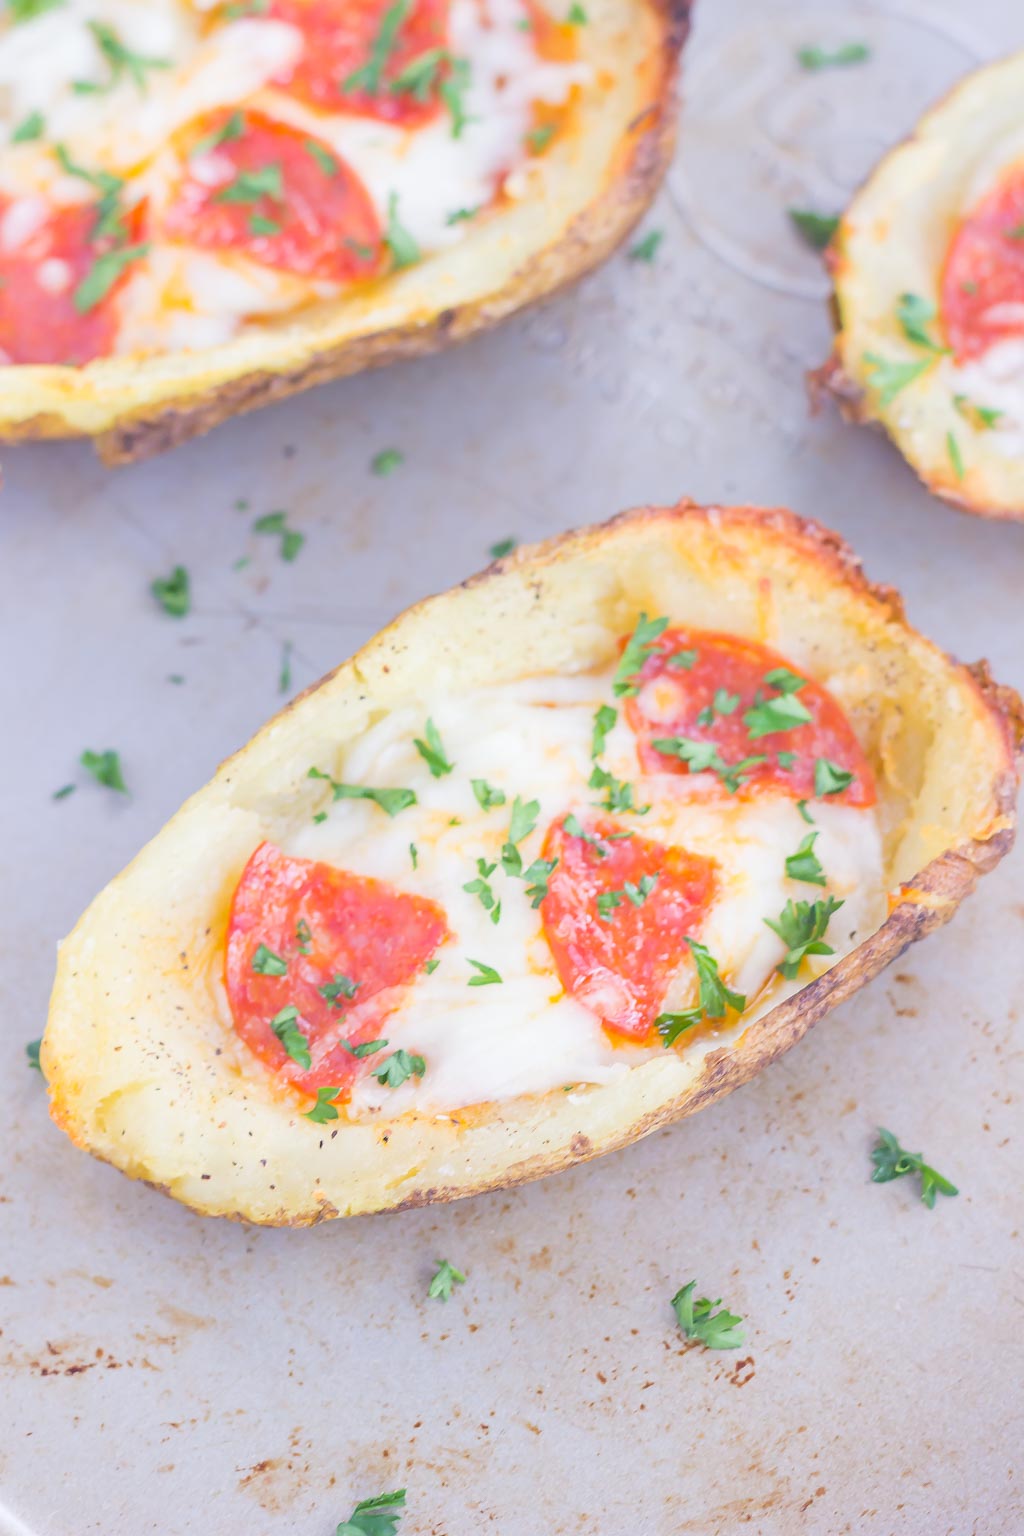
{"x": 163, "y": 1373}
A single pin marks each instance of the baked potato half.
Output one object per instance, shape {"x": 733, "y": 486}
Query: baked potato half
{"x": 928, "y": 268}
{"x": 576, "y": 198}
{"x": 143, "y": 1065}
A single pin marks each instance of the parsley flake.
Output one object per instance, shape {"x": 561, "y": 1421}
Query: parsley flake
{"x": 323, "y": 157}
{"x": 31, "y": 127}
{"x": 814, "y": 58}
{"x": 398, "y": 1067}
{"x": 955, "y": 456}
{"x": 801, "y": 927}
{"x": 638, "y": 647}
{"x": 342, "y": 988}
{"x": 432, "y": 751}
{"x": 403, "y": 248}
{"x": 445, "y": 1279}
{"x": 303, "y": 936}
{"x": 671, "y": 1025}
{"x": 105, "y": 271}
{"x": 804, "y": 864}
{"x": 487, "y": 977}
{"x": 503, "y": 548}
{"x": 783, "y": 713}
{"x": 368, "y": 77}
{"x": 893, "y": 1162}
{"x": 172, "y": 592}
{"x": 375, "y": 1517}
{"x": 829, "y": 778}
{"x": 487, "y": 797}
{"x": 481, "y": 888}
{"x": 250, "y": 186}
{"x": 390, "y": 800}
{"x": 888, "y": 378}
{"x": 682, "y": 661}
{"x": 276, "y": 524}
{"x": 647, "y": 248}
{"x": 537, "y": 878}
{"x": 32, "y": 1053}
{"x": 232, "y": 128}
{"x": 105, "y": 768}
{"x": 322, "y": 1111}
{"x": 982, "y": 417}
{"x": 699, "y": 1320}
{"x": 715, "y": 996}
{"x": 266, "y": 963}
{"x": 120, "y": 61}
{"x": 295, "y": 1041}
{"x": 63, "y": 792}
{"x": 538, "y": 139}
{"x": 816, "y": 229}
{"x": 915, "y": 314}
{"x": 604, "y": 720}
{"x": 367, "y": 1048}
{"x": 618, "y": 793}
{"x": 386, "y": 461}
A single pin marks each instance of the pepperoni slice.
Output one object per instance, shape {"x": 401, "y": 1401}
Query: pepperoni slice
{"x": 41, "y": 272}
{"x": 615, "y": 916}
{"x": 356, "y": 937}
{"x": 700, "y": 687}
{"x": 355, "y": 50}
{"x": 282, "y": 198}
{"x": 983, "y": 279}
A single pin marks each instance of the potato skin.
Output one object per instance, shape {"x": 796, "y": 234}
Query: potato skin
{"x": 909, "y": 205}
{"x": 109, "y": 1086}
{"x": 137, "y": 431}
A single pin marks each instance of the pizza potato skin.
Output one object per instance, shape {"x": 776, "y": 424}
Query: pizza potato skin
{"x": 142, "y": 1072}
{"x": 615, "y": 152}
{"x": 893, "y": 239}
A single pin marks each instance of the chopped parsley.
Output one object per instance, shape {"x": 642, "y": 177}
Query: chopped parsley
{"x": 575, "y": 828}
{"x": 432, "y": 751}
{"x": 481, "y": 887}
{"x": 888, "y": 378}
{"x": 419, "y": 76}
{"x": 295, "y": 1041}
{"x": 276, "y": 524}
{"x": 63, "y": 792}
{"x": 538, "y": 139}
{"x": 607, "y": 901}
{"x": 390, "y": 800}
{"x": 699, "y": 1320}
{"x": 893, "y": 1162}
{"x": 120, "y": 60}
{"x": 715, "y": 996}
{"x": 32, "y": 1053}
{"x": 105, "y": 271}
{"x": 577, "y": 16}
{"x": 232, "y": 128}
{"x": 487, "y": 975}
{"x": 28, "y": 10}
{"x": 303, "y": 936}
{"x": 618, "y": 793}
{"x": 817, "y": 229}
{"x": 785, "y": 759}
{"x": 403, "y": 248}
{"x": 250, "y": 186}
{"x": 172, "y": 592}
{"x": 638, "y": 647}
{"x": 322, "y": 1111}
{"x": 367, "y": 1048}
{"x": 955, "y": 456}
{"x": 396, "y": 1068}
{"x": 682, "y": 661}
{"x": 671, "y": 1025}
{"x": 368, "y": 77}
{"x": 829, "y": 778}
{"x": 445, "y": 1279}
{"x": 785, "y": 680}
{"x": 284, "y": 676}
{"x": 647, "y": 248}
{"x": 522, "y": 823}
{"x": 604, "y": 719}
{"x": 804, "y": 864}
{"x": 323, "y": 157}
{"x": 639, "y": 893}
{"x": 375, "y": 1517}
{"x": 801, "y": 926}
{"x": 105, "y": 768}
{"x": 982, "y": 417}
{"x": 431, "y": 966}
{"x": 915, "y": 314}
{"x": 452, "y": 92}
{"x": 414, "y": 855}
{"x": 341, "y": 989}
{"x": 31, "y": 127}
{"x": 703, "y": 756}
{"x": 801, "y": 806}
{"x": 723, "y": 703}
{"x": 783, "y": 713}
{"x": 386, "y": 461}
{"x": 259, "y": 224}
{"x": 502, "y": 548}
{"x": 537, "y": 877}
{"x": 815, "y": 58}
{"x": 266, "y": 963}
{"x": 487, "y": 797}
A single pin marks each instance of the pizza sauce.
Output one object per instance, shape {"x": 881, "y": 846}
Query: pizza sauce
{"x": 983, "y": 277}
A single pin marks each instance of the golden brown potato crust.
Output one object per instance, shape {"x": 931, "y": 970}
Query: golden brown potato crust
{"x": 136, "y": 1052}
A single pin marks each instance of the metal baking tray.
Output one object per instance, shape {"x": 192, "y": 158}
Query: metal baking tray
{"x": 160, "y": 1372}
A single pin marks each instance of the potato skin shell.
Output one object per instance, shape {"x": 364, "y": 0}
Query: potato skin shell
{"x": 641, "y": 161}
{"x": 560, "y": 1134}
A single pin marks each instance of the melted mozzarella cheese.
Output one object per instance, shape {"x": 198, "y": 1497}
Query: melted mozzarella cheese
{"x": 532, "y": 738}
{"x": 179, "y": 298}
{"x": 995, "y": 381}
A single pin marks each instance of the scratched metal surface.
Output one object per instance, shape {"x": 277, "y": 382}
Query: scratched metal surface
{"x": 162, "y": 1373}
